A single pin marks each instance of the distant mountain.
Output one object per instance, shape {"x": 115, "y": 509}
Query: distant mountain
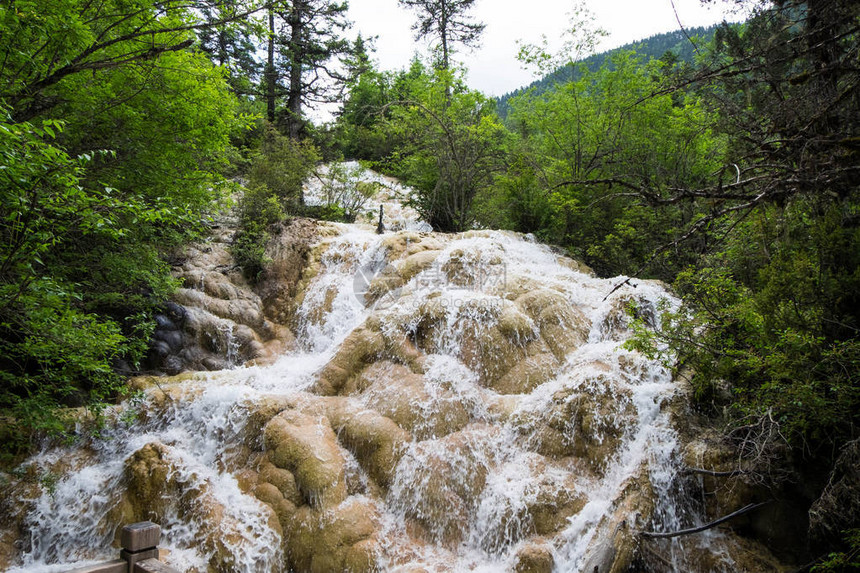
{"x": 656, "y": 46}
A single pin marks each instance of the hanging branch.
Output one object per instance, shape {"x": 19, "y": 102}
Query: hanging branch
{"x": 683, "y": 29}
{"x": 618, "y": 286}
{"x": 141, "y": 46}
{"x": 741, "y": 511}
{"x": 711, "y": 473}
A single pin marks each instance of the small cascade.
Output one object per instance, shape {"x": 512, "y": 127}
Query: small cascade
{"x": 452, "y": 403}
{"x": 175, "y": 461}
{"x": 231, "y": 346}
{"x": 329, "y": 309}
{"x": 387, "y": 193}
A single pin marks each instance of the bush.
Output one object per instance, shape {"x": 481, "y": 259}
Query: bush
{"x": 730, "y": 335}
{"x": 282, "y": 166}
{"x": 344, "y": 193}
{"x": 261, "y": 206}
{"x": 57, "y": 346}
{"x": 274, "y": 192}
{"x": 249, "y": 250}
{"x": 848, "y": 560}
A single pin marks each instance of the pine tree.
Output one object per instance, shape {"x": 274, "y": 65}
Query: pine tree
{"x": 358, "y": 62}
{"x": 305, "y": 37}
{"x": 230, "y": 45}
{"x": 447, "y": 21}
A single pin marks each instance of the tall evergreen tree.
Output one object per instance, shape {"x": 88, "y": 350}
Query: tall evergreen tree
{"x": 271, "y": 73}
{"x": 357, "y": 62}
{"x": 231, "y": 45}
{"x": 306, "y": 36}
{"x": 446, "y": 21}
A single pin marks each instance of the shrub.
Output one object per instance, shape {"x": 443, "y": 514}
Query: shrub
{"x": 282, "y": 166}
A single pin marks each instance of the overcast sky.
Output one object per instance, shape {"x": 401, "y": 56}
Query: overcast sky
{"x": 494, "y": 69}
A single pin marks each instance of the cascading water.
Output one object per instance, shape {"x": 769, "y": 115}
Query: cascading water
{"x": 471, "y": 410}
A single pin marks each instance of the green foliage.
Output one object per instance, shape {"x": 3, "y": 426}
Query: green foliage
{"x": 281, "y": 167}
{"x": 168, "y": 127}
{"x": 51, "y": 349}
{"x": 249, "y": 250}
{"x": 67, "y": 358}
{"x": 111, "y": 148}
{"x": 358, "y": 127}
{"x": 276, "y": 176}
{"x": 447, "y": 22}
{"x": 344, "y": 192}
{"x": 597, "y": 153}
{"x": 784, "y": 341}
{"x": 773, "y": 309}
{"x": 516, "y": 201}
{"x": 323, "y": 213}
{"x": 52, "y": 42}
{"x": 452, "y": 146}
{"x": 426, "y": 127}
{"x": 305, "y": 40}
{"x": 670, "y": 47}
{"x": 259, "y": 208}
{"x": 848, "y": 560}
{"x": 259, "y": 205}
{"x": 231, "y": 45}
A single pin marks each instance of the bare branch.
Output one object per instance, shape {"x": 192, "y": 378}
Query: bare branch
{"x": 711, "y": 525}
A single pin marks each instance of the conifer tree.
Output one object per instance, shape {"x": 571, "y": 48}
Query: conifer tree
{"x": 231, "y": 43}
{"x": 446, "y": 21}
{"x": 306, "y": 36}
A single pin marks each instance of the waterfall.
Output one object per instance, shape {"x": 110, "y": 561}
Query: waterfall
{"x": 454, "y": 403}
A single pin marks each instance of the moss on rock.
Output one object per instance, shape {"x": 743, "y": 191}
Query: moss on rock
{"x": 306, "y": 446}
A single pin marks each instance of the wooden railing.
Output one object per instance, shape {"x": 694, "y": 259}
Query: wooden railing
{"x": 139, "y": 552}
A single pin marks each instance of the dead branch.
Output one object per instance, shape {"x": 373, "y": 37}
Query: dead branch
{"x": 711, "y": 473}
{"x": 618, "y": 286}
{"x": 712, "y": 524}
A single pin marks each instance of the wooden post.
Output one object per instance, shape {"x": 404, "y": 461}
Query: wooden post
{"x": 380, "y": 228}
{"x": 139, "y": 552}
{"x": 139, "y": 542}
{"x": 140, "y": 536}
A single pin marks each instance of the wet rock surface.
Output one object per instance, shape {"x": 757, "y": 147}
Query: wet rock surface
{"x": 218, "y": 319}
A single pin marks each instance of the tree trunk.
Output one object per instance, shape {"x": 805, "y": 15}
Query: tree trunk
{"x": 270, "y": 69}
{"x": 443, "y": 29}
{"x": 823, "y": 21}
{"x": 443, "y": 32}
{"x": 294, "y": 97}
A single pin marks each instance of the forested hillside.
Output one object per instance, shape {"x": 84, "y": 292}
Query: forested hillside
{"x": 125, "y": 126}
{"x": 679, "y": 46}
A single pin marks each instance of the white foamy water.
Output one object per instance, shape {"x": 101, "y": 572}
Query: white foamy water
{"x": 462, "y": 500}
{"x": 389, "y": 194}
